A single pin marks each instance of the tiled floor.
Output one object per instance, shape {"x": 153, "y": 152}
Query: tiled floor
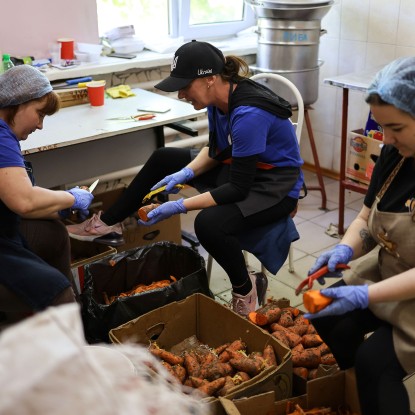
{"x": 311, "y": 223}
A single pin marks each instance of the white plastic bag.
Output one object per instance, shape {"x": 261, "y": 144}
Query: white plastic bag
{"x": 46, "y": 367}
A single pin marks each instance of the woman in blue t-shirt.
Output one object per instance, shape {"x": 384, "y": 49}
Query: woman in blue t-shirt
{"x": 248, "y": 176}
{"x": 27, "y": 282}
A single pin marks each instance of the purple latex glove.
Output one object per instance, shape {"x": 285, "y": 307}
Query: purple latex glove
{"x": 340, "y": 254}
{"x": 181, "y": 177}
{"x": 347, "y": 298}
{"x": 164, "y": 211}
{"x": 83, "y": 198}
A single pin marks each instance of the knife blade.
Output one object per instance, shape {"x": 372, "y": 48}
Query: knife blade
{"x": 93, "y": 186}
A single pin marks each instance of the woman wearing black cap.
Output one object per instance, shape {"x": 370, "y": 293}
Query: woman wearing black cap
{"x": 248, "y": 176}
{"x": 27, "y": 282}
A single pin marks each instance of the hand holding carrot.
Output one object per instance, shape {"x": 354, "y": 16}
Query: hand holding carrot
{"x": 346, "y": 298}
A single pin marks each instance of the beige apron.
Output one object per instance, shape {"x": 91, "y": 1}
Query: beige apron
{"x": 395, "y": 235}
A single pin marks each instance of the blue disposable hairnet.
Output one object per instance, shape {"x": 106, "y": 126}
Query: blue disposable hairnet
{"x": 395, "y": 84}
{"x": 22, "y": 83}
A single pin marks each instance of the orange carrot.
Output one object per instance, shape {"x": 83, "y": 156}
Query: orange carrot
{"x": 247, "y": 365}
{"x": 328, "y": 359}
{"x": 191, "y": 364}
{"x": 229, "y": 384}
{"x": 314, "y": 301}
{"x": 280, "y": 335}
{"x": 299, "y": 329}
{"x": 144, "y": 210}
{"x": 257, "y": 318}
{"x": 241, "y": 377}
{"x": 180, "y": 372}
{"x": 309, "y": 358}
{"x": 311, "y": 340}
{"x": 324, "y": 349}
{"x": 269, "y": 355}
{"x": 211, "y": 388}
{"x": 301, "y": 371}
{"x": 286, "y": 319}
{"x": 165, "y": 355}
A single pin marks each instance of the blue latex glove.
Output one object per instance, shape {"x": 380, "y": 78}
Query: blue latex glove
{"x": 164, "y": 211}
{"x": 83, "y": 199}
{"x": 340, "y": 254}
{"x": 347, "y": 298}
{"x": 181, "y": 177}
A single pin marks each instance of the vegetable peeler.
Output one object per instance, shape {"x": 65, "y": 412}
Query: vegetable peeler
{"x": 148, "y": 196}
{"x": 316, "y": 275}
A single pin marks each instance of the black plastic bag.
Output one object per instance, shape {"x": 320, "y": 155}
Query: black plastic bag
{"x": 121, "y": 272}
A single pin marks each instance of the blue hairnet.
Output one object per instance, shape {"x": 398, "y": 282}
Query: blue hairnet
{"x": 395, "y": 84}
{"x": 21, "y": 84}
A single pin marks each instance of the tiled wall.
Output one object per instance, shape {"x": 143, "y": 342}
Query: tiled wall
{"x": 361, "y": 35}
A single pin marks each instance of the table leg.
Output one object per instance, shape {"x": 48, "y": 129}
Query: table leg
{"x": 321, "y": 187}
{"x": 343, "y": 145}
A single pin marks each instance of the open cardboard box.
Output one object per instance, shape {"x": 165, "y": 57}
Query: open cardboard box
{"x": 213, "y": 324}
{"x": 337, "y": 390}
{"x": 360, "y": 160}
{"x": 134, "y": 235}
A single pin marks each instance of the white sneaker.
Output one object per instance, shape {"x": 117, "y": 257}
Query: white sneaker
{"x": 244, "y": 304}
{"x": 94, "y": 229}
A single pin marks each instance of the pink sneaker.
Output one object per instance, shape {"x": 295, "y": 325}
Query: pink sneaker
{"x": 243, "y": 305}
{"x": 94, "y": 229}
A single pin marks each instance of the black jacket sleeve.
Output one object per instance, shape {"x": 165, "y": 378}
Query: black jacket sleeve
{"x": 241, "y": 176}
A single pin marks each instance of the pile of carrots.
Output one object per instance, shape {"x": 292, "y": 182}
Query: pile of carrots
{"x": 138, "y": 289}
{"x": 214, "y": 372}
{"x": 289, "y": 326}
{"x": 295, "y": 409}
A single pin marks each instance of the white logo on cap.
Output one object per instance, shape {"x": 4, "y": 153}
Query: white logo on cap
{"x": 204, "y": 71}
{"x": 174, "y": 63}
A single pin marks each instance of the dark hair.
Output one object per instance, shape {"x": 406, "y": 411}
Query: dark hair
{"x": 236, "y": 69}
{"x": 52, "y": 105}
{"x": 375, "y": 99}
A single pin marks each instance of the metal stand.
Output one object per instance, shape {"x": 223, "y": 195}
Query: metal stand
{"x": 320, "y": 187}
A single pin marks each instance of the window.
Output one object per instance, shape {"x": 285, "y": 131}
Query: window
{"x": 147, "y": 16}
{"x": 213, "y": 18}
{"x": 187, "y": 18}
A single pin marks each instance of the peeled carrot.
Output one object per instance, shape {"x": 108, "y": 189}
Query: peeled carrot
{"x": 144, "y": 210}
{"x": 314, "y": 301}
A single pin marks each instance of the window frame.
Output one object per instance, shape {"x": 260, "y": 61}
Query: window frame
{"x": 179, "y": 12}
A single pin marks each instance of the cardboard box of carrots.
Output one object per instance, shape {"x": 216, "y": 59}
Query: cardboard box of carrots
{"x": 206, "y": 346}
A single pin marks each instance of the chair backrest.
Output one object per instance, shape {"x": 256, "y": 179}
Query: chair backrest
{"x": 300, "y": 103}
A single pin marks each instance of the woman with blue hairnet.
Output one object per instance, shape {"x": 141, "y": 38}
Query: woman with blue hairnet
{"x": 370, "y": 323}
{"x": 28, "y": 213}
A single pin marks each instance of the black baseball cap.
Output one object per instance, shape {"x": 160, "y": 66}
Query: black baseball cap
{"x": 192, "y": 60}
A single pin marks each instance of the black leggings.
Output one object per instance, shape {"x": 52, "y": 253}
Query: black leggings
{"x": 378, "y": 371}
{"x": 215, "y": 227}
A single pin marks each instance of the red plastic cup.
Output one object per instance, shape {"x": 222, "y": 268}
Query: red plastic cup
{"x": 67, "y": 48}
{"x": 96, "y": 93}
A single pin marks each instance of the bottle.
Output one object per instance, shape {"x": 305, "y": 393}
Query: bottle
{"x": 7, "y": 63}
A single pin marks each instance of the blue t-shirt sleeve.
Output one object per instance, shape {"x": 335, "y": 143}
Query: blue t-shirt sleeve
{"x": 10, "y": 152}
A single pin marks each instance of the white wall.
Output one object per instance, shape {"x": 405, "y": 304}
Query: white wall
{"x": 29, "y": 26}
{"x": 361, "y": 34}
